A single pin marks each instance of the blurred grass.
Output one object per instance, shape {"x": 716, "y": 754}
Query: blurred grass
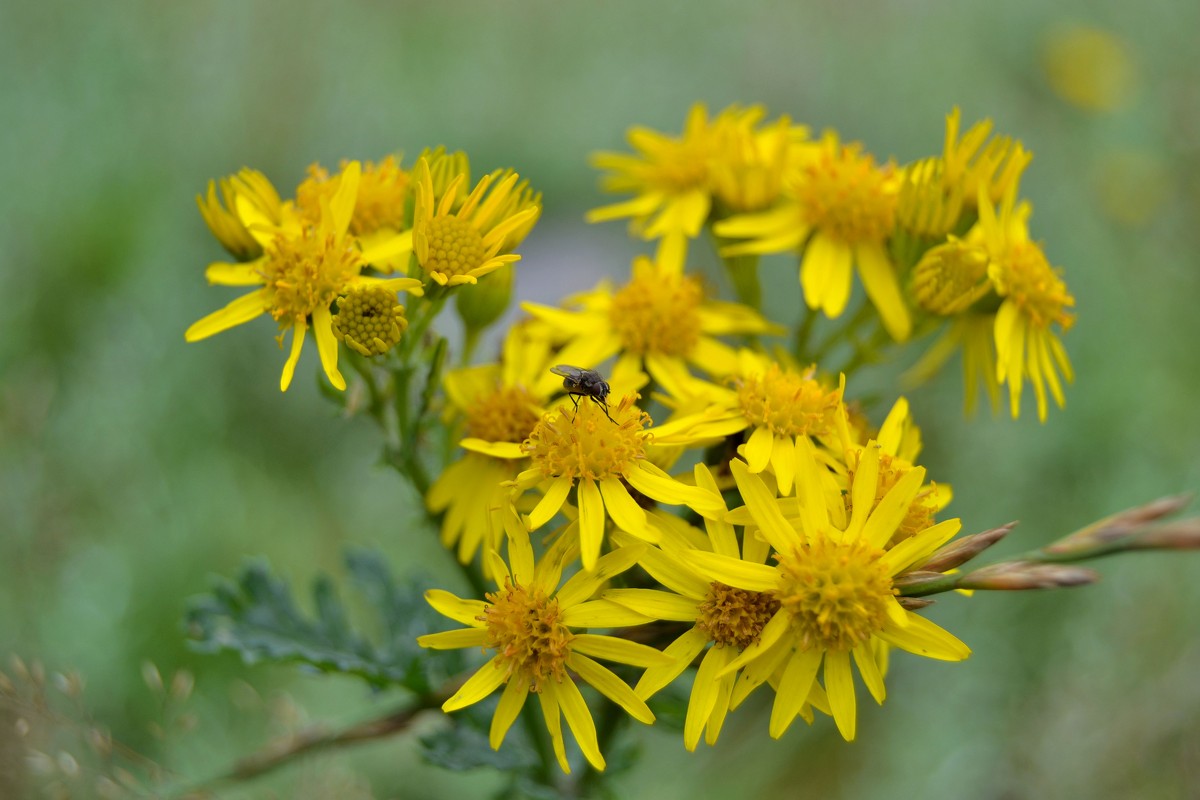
{"x": 132, "y": 466}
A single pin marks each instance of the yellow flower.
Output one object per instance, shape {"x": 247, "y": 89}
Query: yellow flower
{"x": 1090, "y": 68}
{"x": 527, "y": 623}
{"x": 833, "y": 578}
{"x": 899, "y": 443}
{"x": 971, "y": 166}
{"x": 456, "y": 247}
{"x": 1034, "y": 297}
{"x": 223, "y": 220}
{"x": 601, "y": 459}
{"x": 749, "y": 171}
{"x": 725, "y": 620}
{"x": 380, "y": 212}
{"x": 660, "y": 318}
{"x": 302, "y": 271}
{"x": 840, "y": 211}
{"x": 500, "y": 403}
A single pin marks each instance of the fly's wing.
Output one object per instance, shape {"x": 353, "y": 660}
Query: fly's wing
{"x": 566, "y": 371}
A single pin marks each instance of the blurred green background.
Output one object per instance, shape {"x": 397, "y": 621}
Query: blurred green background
{"x": 133, "y": 466}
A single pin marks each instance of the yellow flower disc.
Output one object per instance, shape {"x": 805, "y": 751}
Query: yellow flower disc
{"x": 950, "y": 277}
{"x": 844, "y": 195}
{"x": 787, "y": 403}
{"x": 455, "y": 247}
{"x": 658, "y": 314}
{"x": 735, "y": 617}
{"x": 586, "y": 444}
{"x": 307, "y": 272}
{"x": 369, "y": 320}
{"x": 508, "y": 414}
{"x": 836, "y": 592}
{"x": 525, "y": 628}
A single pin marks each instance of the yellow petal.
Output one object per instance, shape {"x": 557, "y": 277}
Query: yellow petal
{"x": 478, "y": 686}
{"x": 548, "y": 700}
{"x": 757, "y": 449}
{"x": 579, "y": 720}
{"x": 622, "y": 651}
{"x": 656, "y": 604}
{"x": 289, "y": 367}
{"x": 550, "y": 503}
{"x": 453, "y": 640}
{"x": 327, "y": 346}
{"x": 448, "y": 605}
{"x": 794, "y": 688}
{"x": 682, "y": 652}
{"x": 509, "y": 450}
{"x": 868, "y": 667}
{"x": 825, "y": 274}
{"x": 608, "y": 684}
{"x": 703, "y": 697}
{"x": 512, "y": 700}
{"x": 839, "y": 685}
{"x": 732, "y": 571}
{"x": 623, "y": 509}
{"x": 880, "y": 282}
{"x": 243, "y": 309}
{"x": 603, "y": 613}
{"x": 764, "y": 509}
{"x": 925, "y": 638}
{"x": 591, "y": 522}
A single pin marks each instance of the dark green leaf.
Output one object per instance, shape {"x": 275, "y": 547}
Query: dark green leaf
{"x": 257, "y": 617}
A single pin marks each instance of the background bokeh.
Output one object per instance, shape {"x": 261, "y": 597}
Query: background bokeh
{"x": 133, "y": 466}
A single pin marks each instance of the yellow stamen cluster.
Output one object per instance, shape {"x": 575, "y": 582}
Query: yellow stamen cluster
{"x": 836, "y": 592}
{"x": 455, "y": 246}
{"x": 369, "y": 320}
{"x": 306, "y": 272}
{"x": 507, "y": 414}
{"x": 950, "y": 277}
{"x": 525, "y": 628}
{"x": 735, "y": 617}
{"x": 843, "y": 194}
{"x": 656, "y": 313}
{"x": 1024, "y": 276}
{"x": 586, "y": 444}
{"x": 787, "y": 403}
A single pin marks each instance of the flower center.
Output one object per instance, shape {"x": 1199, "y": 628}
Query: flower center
{"x": 837, "y": 593}
{"x": 455, "y": 246}
{"x": 369, "y": 320}
{"x": 306, "y": 272}
{"x": 1024, "y": 276}
{"x": 787, "y": 403}
{"x": 586, "y": 444}
{"x": 508, "y": 414}
{"x": 844, "y": 194}
{"x": 921, "y": 511}
{"x": 950, "y": 277}
{"x": 654, "y": 313}
{"x": 525, "y": 628}
{"x": 735, "y": 617}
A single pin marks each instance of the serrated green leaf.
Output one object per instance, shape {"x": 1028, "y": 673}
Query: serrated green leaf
{"x": 257, "y": 617}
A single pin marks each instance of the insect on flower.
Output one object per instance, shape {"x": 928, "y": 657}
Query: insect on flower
{"x": 585, "y": 383}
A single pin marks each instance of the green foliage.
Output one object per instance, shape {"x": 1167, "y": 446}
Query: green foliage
{"x": 257, "y": 616}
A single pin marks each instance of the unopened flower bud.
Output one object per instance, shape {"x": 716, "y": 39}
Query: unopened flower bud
{"x": 1021, "y": 575}
{"x": 960, "y": 551}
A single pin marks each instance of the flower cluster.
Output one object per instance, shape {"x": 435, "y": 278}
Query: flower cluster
{"x": 645, "y": 473}
{"x": 942, "y": 242}
{"x": 327, "y": 260}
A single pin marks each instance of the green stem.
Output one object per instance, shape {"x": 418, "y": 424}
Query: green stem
{"x": 803, "y": 334}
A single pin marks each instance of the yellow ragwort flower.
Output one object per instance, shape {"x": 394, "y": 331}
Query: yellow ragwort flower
{"x": 499, "y": 404}
{"x": 223, "y": 220}
{"x": 725, "y": 621}
{"x": 840, "y": 210}
{"x": 459, "y": 246}
{"x": 527, "y": 623}
{"x": 1034, "y": 298}
{"x": 975, "y": 163}
{"x": 602, "y": 459}
{"x": 833, "y": 578}
{"x": 660, "y": 318}
{"x": 301, "y": 273}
